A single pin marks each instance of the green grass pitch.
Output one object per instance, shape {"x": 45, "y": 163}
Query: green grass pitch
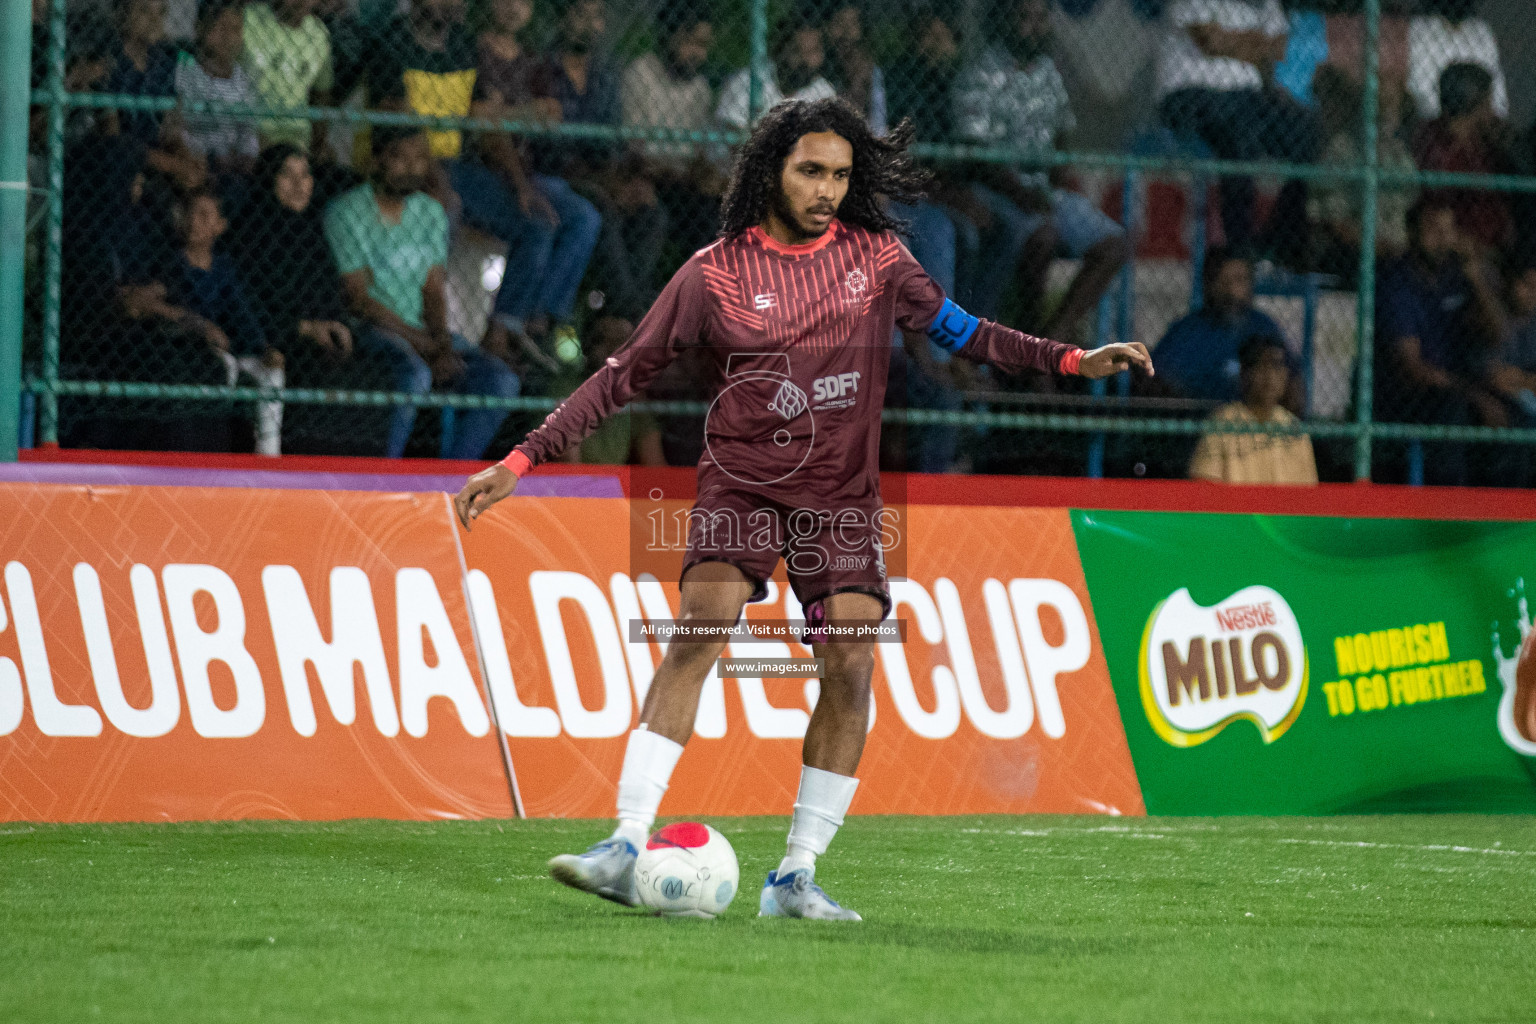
{"x": 985, "y": 918}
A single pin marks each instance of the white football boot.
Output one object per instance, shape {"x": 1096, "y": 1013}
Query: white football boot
{"x": 606, "y": 870}
{"x": 797, "y": 895}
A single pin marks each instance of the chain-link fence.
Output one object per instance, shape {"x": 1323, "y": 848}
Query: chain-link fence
{"x": 369, "y": 227}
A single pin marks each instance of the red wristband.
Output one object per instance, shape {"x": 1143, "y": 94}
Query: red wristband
{"x": 518, "y": 463}
{"x": 1071, "y": 361}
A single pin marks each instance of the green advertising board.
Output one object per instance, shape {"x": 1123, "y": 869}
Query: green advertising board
{"x": 1304, "y": 665}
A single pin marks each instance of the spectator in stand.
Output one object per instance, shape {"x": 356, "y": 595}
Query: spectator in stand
{"x": 507, "y": 70}
{"x": 278, "y": 246}
{"x": 1014, "y": 96}
{"x": 1437, "y": 321}
{"x": 634, "y": 225}
{"x": 425, "y": 62}
{"x": 1252, "y": 458}
{"x": 212, "y": 74}
{"x": 288, "y": 59}
{"x": 1449, "y": 33}
{"x": 115, "y": 321}
{"x": 1198, "y": 355}
{"x": 853, "y": 70}
{"x": 576, "y": 75}
{"x": 667, "y": 89}
{"x": 390, "y": 242}
{"x": 142, "y": 65}
{"x": 796, "y": 72}
{"x": 1511, "y": 373}
{"x": 941, "y": 238}
{"x": 922, "y": 77}
{"x": 1334, "y": 208}
{"x": 1215, "y": 83}
{"x": 1470, "y": 138}
{"x": 202, "y": 281}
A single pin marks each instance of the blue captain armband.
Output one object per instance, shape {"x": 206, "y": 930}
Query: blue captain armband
{"x": 953, "y": 327}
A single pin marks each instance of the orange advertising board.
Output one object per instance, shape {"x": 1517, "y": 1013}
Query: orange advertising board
{"x": 174, "y": 653}
{"x": 998, "y": 701}
{"x": 171, "y": 653}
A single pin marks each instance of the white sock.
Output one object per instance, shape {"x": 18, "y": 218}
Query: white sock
{"x": 819, "y": 810}
{"x": 648, "y": 762}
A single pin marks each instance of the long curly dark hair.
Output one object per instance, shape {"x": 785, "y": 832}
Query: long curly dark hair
{"x": 881, "y": 167}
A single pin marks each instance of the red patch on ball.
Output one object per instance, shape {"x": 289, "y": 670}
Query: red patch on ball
{"x": 687, "y": 834}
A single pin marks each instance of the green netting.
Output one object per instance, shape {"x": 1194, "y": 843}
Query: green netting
{"x": 290, "y": 227}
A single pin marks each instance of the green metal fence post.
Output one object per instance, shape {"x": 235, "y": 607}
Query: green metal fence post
{"x": 758, "y": 33}
{"x": 1370, "y": 182}
{"x": 53, "y": 248}
{"x": 15, "y": 89}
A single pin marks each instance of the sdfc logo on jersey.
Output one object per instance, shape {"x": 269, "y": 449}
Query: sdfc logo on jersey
{"x": 856, "y": 281}
{"x": 832, "y": 391}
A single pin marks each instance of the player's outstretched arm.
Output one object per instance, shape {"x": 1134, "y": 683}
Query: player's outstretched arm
{"x": 483, "y": 490}
{"x": 1111, "y": 359}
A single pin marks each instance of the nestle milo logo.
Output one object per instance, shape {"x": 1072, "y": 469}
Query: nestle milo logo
{"x": 1203, "y": 668}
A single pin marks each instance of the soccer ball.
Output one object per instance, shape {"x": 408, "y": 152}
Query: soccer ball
{"x": 687, "y": 870}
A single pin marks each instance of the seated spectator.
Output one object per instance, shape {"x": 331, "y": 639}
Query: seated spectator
{"x": 1215, "y": 83}
{"x": 919, "y": 85}
{"x": 201, "y": 283}
{"x": 507, "y": 69}
{"x": 853, "y": 71}
{"x": 667, "y": 89}
{"x": 1469, "y": 137}
{"x": 634, "y": 225}
{"x": 1334, "y": 207}
{"x": 1512, "y": 370}
{"x": 279, "y": 247}
{"x": 1249, "y": 458}
{"x": 576, "y": 75}
{"x": 287, "y": 58}
{"x": 923, "y": 375}
{"x": 1449, "y": 33}
{"x": 797, "y": 56}
{"x": 1198, "y": 355}
{"x": 212, "y": 74}
{"x": 390, "y": 240}
{"x": 1437, "y": 319}
{"x": 1014, "y": 96}
{"x": 142, "y": 65}
{"x": 426, "y": 62}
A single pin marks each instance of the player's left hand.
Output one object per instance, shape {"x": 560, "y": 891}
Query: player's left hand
{"x": 483, "y": 490}
{"x": 1101, "y": 362}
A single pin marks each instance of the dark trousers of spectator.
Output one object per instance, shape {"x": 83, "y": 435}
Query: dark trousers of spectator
{"x": 313, "y": 429}
{"x": 1445, "y": 462}
{"x": 545, "y": 262}
{"x": 466, "y": 432}
{"x": 628, "y": 253}
{"x": 1243, "y": 124}
{"x": 143, "y": 350}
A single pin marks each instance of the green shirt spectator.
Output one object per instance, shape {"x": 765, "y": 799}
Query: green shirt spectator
{"x": 287, "y": 55}
{"x": 400, "y": 255}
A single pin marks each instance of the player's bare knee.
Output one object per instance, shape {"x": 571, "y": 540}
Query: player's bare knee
{"x": 847, "y": 669}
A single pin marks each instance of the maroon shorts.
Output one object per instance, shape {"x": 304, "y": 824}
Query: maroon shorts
{"x": 825, "y": 551}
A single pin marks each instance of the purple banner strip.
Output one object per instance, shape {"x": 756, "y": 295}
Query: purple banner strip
{"x": 163, "y": 476}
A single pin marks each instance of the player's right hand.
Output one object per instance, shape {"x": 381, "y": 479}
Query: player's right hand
{"x": 483, "y": 490}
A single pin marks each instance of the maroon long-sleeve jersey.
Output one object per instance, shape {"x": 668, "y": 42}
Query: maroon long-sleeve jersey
{"x": 799, "y": 342}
